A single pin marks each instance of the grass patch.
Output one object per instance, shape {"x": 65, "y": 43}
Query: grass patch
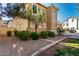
{"x": 67, "y": 51}
{"x": 73, "y": 40}
{"x": 71, "y": 45}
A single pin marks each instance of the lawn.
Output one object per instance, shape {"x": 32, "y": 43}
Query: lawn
{"x": 70, "y": 48}
{"x": 67, "y": 51}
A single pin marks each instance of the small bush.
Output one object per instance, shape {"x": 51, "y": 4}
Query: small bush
{"x": 51, "y": 34}
{"x": 9, "y": 33}
{"x": 60, "y": 31}
{"x": 15, "y": 32}
{"x": 23, "y": 35}
{"x": 44, "y": 34}
{"x": 34, "y": 35}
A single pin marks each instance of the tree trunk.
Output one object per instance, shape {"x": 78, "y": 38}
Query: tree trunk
{"x": 36, "y": 27}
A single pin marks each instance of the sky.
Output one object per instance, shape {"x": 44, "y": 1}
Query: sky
{"x": 66, "y": 10}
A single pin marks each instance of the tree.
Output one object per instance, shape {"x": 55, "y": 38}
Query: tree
{"x": 18, "y": 10}
{"x": 1, "y": 10}
{"x": 38, "y": 19}
{"x": 28, "y": 17}
{"x": 15, "y": 10}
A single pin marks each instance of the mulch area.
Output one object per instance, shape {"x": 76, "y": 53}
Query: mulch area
{"x": 51, "y": 51}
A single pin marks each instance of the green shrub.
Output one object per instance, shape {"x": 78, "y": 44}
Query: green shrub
{"x": 34, "y": 35}
{"x": 18, "y": 34}
{"x": 9, "y": 33}
{"x": 23, "y": 35}
{"x": 67, "y": 51}
{"x": 51, "y": 34}
{"x": 44, "y": 34}
{"x": 15, "y": 32}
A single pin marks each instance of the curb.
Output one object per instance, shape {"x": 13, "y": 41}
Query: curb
{"x": 46, "y": 47}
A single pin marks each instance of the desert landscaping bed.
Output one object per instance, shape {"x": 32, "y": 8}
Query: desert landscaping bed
{"x": 10, "y": 46}
{"x": 68, "y": 47}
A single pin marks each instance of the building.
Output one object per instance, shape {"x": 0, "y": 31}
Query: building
{"x": 22, "y": 24}
{"x": 71, "y": 23}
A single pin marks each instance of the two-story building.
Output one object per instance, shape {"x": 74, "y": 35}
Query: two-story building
{"x": 71, "y": 23}
{"x": 22, "y": 24}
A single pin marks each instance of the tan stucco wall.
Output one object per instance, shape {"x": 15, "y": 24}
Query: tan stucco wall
{"x": 51, "y": 18}
{"x": 3, "y": 30}
{"x": 22, "y": 24}
{"x": 19, "y": 24}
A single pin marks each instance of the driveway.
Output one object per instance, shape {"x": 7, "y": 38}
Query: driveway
{"x": 12, "y": 46}
{"x": 72, "y": 35}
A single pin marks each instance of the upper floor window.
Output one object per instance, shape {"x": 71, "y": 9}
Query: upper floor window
{"x": 34, "y": 7}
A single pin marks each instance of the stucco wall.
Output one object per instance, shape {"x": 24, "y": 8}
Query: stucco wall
{"x": 22, "y": 24}
{"x": 19, "y": 24}
{"x": 51, "y": 18}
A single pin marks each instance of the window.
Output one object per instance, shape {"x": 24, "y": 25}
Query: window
{"x": 34, "y": 8}
{"x": 67, "y": 24}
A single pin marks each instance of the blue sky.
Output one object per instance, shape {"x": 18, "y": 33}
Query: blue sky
{"x": 66, "y": 10}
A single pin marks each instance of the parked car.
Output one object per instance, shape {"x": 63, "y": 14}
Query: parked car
{"x": 72, "y": 30}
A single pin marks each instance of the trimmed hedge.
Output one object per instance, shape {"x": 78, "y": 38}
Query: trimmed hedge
{"x": 34, "y": 35}
{"x": 51, "y": 34}
{"x": 9, "y": 33}
{"x": 44, "y": 34}
{"x": 23, "y": 35}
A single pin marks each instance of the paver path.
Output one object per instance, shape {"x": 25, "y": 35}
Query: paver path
{"x": 12, "y": 46}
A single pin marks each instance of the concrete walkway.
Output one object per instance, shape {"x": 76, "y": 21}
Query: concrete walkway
{"x": 12, "y": 46}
